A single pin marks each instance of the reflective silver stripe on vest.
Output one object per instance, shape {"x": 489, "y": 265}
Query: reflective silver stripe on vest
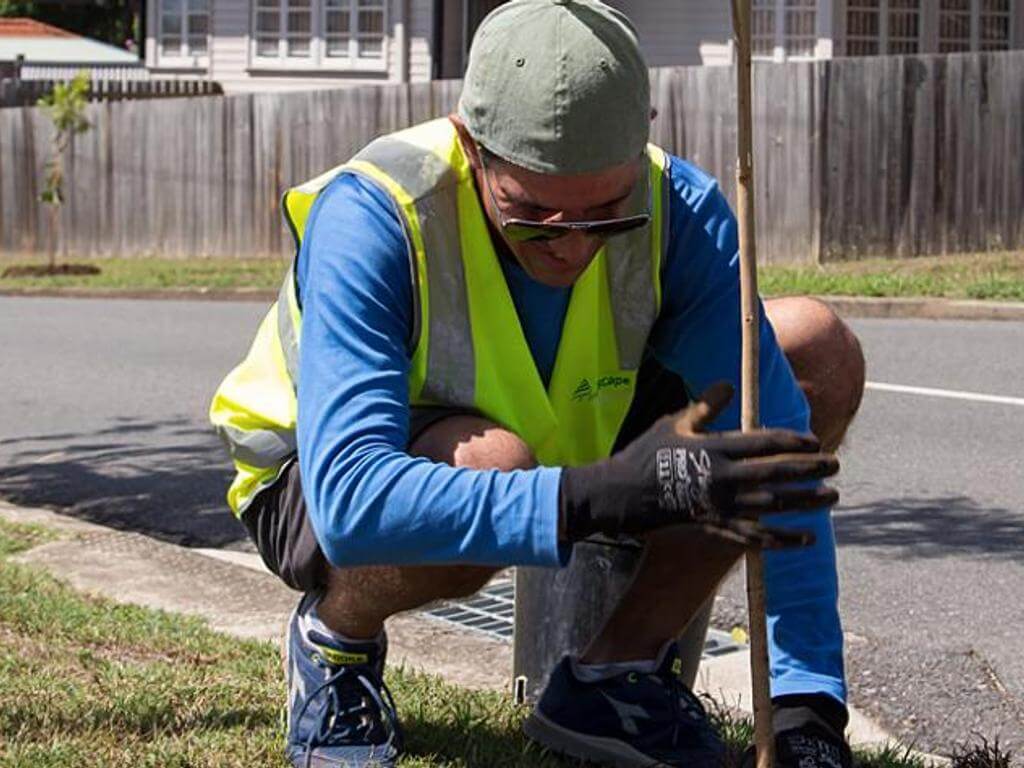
{"x": 286, "y": 330}
{"x": 450, "y": 375}
{"x": 259, "y": 448}
{"x": 433, "y": 185}
{"x": 631, "y": 288}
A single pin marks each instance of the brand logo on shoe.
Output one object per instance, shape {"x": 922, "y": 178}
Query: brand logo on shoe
{"x": 677, "y": 667}
{"x": 628, "y": 714}
{"x": 340, "y": 658}
{"x": 585, "y": 391}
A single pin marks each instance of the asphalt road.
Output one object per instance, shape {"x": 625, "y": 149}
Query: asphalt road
{"x": 103, "y": 414}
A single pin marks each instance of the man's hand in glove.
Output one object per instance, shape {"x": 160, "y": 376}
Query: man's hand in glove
{"x": 675, "y": 474}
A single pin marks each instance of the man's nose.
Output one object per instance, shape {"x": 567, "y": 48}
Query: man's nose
{"x": 576, "y": 247}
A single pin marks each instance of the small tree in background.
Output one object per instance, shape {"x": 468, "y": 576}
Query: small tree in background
{"x": 66, "y": 106}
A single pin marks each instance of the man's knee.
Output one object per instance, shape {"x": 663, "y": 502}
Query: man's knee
{"x": 474, "y": 442}
{"x": 827, "y": 360}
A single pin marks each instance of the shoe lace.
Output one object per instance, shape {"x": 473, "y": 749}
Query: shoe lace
{"x": 343, "y": 717}
{"x": 685, "y": 704}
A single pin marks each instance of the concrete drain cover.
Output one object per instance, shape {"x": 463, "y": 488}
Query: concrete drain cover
{"x": 492, "y": 612}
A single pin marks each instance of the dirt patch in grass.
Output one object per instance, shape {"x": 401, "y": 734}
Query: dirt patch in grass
{"x": 49, "y": 270}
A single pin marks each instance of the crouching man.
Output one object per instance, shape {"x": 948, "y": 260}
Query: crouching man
{"x": 481, "y": 356}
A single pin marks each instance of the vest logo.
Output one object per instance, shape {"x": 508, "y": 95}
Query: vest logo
{"x": 586, "y": 391}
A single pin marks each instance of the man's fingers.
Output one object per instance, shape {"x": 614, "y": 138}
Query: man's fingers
{"x": 784, "y": 468}
{"x": 774, "y": 500}
{"x": 705, "y": 409}
{"x": 765, "y": 442}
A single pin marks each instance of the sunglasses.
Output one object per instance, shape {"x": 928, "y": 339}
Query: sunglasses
{"x": 527, "y": 231}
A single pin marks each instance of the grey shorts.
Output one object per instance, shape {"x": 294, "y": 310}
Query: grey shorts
{"x": 280, "y": 528}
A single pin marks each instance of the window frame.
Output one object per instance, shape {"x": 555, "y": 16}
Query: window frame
{"x": 186, "y": 59}
{"x": 318, "y": 60}
{"x": 884, "y": 40}
{"x": 977, "y": 14}
{"x": 929, "y": 34}
{"x": 779, "y": 12}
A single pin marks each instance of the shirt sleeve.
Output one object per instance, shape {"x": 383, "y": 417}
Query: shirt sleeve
{"x": 697, "y": 336}
{"x": 369, "y": 501}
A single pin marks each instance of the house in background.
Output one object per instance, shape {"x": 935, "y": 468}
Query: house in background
{"x": 261, "y": 45}
{"x": 50, "y": 53}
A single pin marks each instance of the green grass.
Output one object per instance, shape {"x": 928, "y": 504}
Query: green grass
{"x": 17, "y": 537}
{"x": 151, "y": 274}
{"x": 88, "y": 683}
{"x": 980, "y": 276}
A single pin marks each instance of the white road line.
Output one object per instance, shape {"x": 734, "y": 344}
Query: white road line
{"x": 952, "y": 394}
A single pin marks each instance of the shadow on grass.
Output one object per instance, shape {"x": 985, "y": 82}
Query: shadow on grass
{"x": 477, "y": 744}
{"x": 929, "y": 527}
{"x": 164, "y": 478}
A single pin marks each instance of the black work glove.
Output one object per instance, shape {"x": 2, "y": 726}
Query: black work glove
{"x": 808, "y": 733}
{"x": 720, "y": 482}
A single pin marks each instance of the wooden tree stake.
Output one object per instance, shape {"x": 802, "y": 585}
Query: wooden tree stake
{"x": 764, "y": 738}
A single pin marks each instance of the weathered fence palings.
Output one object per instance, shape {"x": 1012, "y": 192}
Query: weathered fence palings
{"x": 855, "y": 157}
{"x": 25, "y": 93}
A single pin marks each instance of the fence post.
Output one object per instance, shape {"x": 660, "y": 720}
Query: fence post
{"x": 19, "y": 62}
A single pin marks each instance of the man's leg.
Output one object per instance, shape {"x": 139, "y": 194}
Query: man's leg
{"x": 681, "y": 569}
{"x": 357, "y": 600}
{"x": 339, "y": 710}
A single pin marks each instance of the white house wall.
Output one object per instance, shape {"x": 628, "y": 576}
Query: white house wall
{"x": 421, "y": 23}
{"x": 681, "y": 31}
{"x": 228, "y": 61}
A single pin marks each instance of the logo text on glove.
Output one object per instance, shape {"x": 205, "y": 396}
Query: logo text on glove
{"x": 684, "y": 478}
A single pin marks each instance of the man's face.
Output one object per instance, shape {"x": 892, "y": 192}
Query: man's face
{"x": 523, "y": 194}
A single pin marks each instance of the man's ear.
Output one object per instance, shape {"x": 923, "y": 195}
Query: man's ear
{"x": 468, "y": 145}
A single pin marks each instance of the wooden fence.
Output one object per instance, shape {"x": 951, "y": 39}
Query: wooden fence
{"x": 25, "y": 93}
{"x": 894, "y": 156}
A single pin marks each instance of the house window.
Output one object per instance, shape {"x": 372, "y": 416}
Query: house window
{"x": 784, "y": 28}
{"x": 883, "y": 26}
{"x": 762, "y": 37}
{"x": 863, "y": 27}
{"x": 954, "y": 26}
{"x": 904, "y": 30}
{"x": 974, "y": 25}
{"x": 338, "y": 34}
{"x": 800, "y": 34}
{"x": 184, "y": 28}
{"x": 994, "y": 23}
{"x": 354, "y": 29}
{"x": 284, "y": 29}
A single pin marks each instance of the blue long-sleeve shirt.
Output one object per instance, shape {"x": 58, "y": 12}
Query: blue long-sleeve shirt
{"x": 370, "y": 502}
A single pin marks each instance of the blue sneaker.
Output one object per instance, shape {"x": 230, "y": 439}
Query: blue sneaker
{"x": 340, "y": 713}
{"x": 631, "y": 720}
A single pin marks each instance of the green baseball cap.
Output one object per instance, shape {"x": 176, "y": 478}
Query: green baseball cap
{"x": 557, "y": 86}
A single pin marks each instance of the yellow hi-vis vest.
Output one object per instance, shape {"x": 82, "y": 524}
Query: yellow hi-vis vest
{"x": 469, "y": 348}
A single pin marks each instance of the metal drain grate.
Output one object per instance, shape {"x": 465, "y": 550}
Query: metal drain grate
{"x": 492, "y": 612}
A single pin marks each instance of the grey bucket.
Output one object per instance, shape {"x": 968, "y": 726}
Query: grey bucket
{"x": 558, "y": 611}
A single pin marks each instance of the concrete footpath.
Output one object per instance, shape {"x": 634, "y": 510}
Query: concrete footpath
{"x": 235, "y": 594}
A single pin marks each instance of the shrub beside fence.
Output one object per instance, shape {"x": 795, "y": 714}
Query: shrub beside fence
{"x": 894, "y": 156}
